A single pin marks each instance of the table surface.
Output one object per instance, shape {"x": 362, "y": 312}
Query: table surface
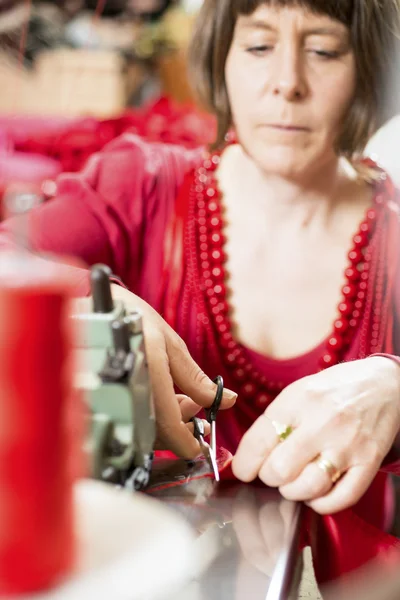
{"x": 248, "y": 536}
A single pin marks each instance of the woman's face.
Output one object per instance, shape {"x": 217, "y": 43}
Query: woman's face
{"x": 291, "y": 77}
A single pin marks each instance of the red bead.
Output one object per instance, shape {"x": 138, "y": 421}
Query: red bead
{"x": 360, "y": 240}
{"x": 212, "y": 207}
{"x": 248, "y": 390}
{"x": 219, "y": 318}
{"x": 263, "y": 400}
{"x": 203, "y": 247}
{"x": 239, "y": 374}
{"x": 219, "y": 289}
{"x": 215, "y": 159}
{"x": 371, "y": 214}
{"x": 341, "y": 325}
{"x": 203, "y": 230}
{"x": 365, "y": 227}
{"x": 208, "y": 283}
{"x": 210, "y": 193}
{"x": 222, "y": 328}
{"x": 345, "y": 308}
{"x": 206, "y": 274}
{"x": 365, "y": 276}
{"x": 356, "y": 314}
{"x": 353, "y": 323}
{"x": 358, "y": 305}
{"x": 217, "y": 239}
{"x": 217, "y": 273}
{"x": 352, "y": 274}
{"x": 202, "y": 221}
{"x": 379, "y": 199}
{"x": 215, "y": 222}
{"x": 241, "y": 361}
{"x": 204, "y": 257}
{"x": 349, "y": 291}
{"x": 213, "y": 301}
{"x": 335, "y": 342}
{"x": 207, "y": 163}
{"x": 328, "y": 360}
{"x": 202, "y": 213}
{"x": 276, "y": 386}
{"x": 361, "y": 295}
{"x": 227, "y": 341}
{"x": 217, "y": 255}
{"x": 355, "y": 256}
{"x": 363, "y": 286}
{"x": 231, "y": 358}
{"x": 203, "y": 239}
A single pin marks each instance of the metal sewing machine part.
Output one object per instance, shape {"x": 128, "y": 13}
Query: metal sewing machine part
{"x": 113, "y": 374}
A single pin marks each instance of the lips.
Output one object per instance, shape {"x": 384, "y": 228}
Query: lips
{"x": 287, "y": 127}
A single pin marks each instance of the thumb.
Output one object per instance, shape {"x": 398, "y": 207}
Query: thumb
{"x": 190, "y": 379}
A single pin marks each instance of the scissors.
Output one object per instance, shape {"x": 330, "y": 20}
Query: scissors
{"x": 206, "y": 449}
{"x": 210, "y": 450}
{"x": 211, "y": 413}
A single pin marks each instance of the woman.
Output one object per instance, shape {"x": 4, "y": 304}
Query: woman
{"x": 274, "y": 258}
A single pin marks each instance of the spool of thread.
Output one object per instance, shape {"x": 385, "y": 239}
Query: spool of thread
{"x": 37, "y": 544}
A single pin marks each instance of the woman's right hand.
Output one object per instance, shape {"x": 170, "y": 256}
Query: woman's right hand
{"x": 170, "y": 363}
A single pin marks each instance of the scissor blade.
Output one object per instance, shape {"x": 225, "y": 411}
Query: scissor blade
{"x": 213, "y": 437}
{"x": 209, "y": 455}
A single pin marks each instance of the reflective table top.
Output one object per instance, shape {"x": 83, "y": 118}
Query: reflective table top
{"x": 248, "y": 535}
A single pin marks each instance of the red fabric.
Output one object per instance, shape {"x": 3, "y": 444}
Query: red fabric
{"x": 120, "y": 210}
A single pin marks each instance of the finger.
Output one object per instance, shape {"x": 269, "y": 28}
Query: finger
{"x": 346, "y": 492}
{"x": 190, "y": 378}
{"x": 313, "y": 482}
{"x": 172, "y": 433}
{"x": 287, "y": 460}
{"x": 189, "y": 409}
{"x": 254, "y": 448}
{"x": 207, "y": 427}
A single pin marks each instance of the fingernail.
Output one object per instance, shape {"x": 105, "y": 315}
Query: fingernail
{"x": 229, "y": 395}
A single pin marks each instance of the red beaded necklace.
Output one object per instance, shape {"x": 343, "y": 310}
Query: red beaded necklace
{"x": 207, "y": 219}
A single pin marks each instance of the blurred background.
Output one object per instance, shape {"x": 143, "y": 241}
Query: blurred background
{"x": 132, "y": 50}
{"x": 74, "y": 74}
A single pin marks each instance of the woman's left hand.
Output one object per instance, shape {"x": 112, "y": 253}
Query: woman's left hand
{"x": 344, "y": 421}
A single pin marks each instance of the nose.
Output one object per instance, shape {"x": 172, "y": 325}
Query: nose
{"x": 289, "y": 79}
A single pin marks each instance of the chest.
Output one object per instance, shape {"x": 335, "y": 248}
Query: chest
{"x": 284, "y": 290}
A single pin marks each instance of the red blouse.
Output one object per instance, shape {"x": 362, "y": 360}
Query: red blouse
{"x": 118, "y": 211}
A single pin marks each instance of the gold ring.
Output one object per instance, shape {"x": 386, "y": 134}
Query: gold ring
{"x": 282, "y": 430}
{"x": 329, "y": 468}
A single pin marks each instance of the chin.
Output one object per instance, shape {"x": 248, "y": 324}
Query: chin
{"x": 289, "y": 162}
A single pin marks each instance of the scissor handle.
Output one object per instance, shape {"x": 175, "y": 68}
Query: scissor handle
{"x": 211, "y": 413}
{"x": 199, "y": 429}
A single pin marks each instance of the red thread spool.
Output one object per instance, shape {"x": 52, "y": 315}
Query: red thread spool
{"x": 36, "y": 511}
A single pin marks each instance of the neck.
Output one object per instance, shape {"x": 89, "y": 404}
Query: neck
{"x": 304, "y": 201}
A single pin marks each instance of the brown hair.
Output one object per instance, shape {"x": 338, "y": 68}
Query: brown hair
{"x": 373, "y": 25}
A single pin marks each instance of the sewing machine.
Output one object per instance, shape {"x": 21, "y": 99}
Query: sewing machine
{"x": 113, "y": 375}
